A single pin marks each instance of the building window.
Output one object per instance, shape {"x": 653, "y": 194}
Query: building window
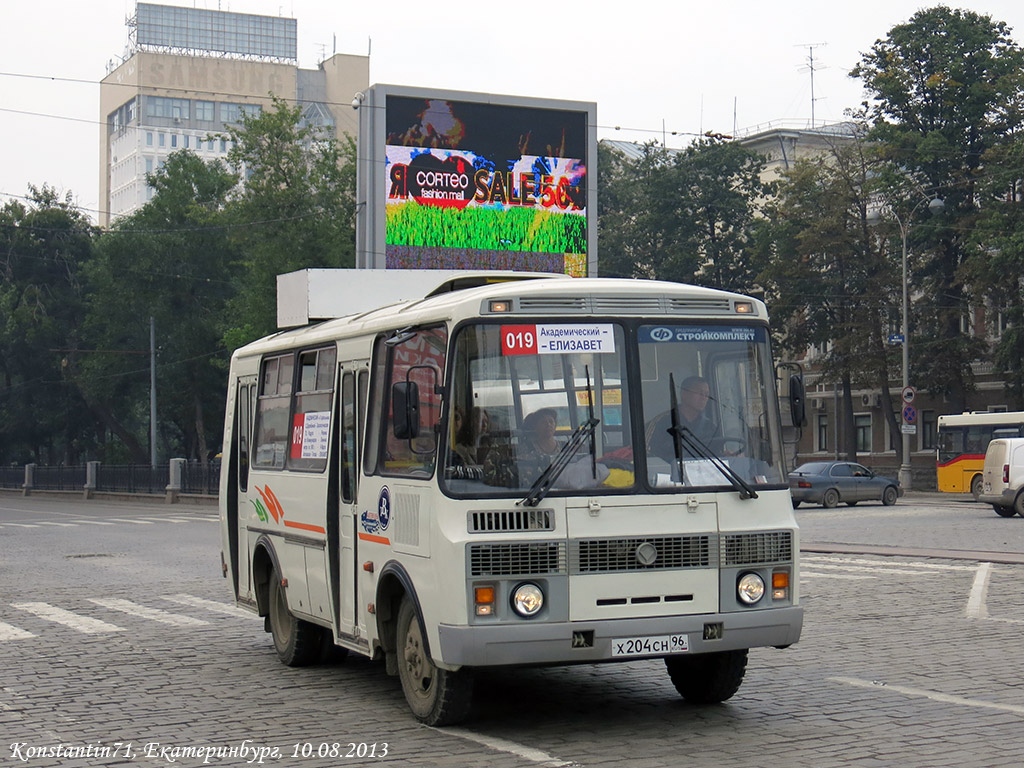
{"x": 862, "y": 425}
{"x": 928, "y": 430}
{"x": 159, "y": 106}
{"x": 161, "y": 139}
{"x": 149, "y": 138}
{"x": 822, "y": 432}
{"x": 209, "y": 145}
{"x": 223, "y": 145}
{"x": 230, "y": 113}
{"x": 174, "y": 140}
{"x": 186, "y": 140}
{"x": 204, "y": 110}
{"x": 149, "y": 165}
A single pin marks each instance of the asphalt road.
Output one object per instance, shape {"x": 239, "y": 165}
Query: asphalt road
{"x": 116, "y": 630}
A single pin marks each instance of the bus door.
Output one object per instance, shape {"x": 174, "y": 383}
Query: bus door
{"x": 342, "y": 544}
{"x": 239, "y": 507}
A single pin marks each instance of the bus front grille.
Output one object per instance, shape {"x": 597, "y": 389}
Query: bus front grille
{"x": 517, "y": 559}
{"x": 641, "y": 553}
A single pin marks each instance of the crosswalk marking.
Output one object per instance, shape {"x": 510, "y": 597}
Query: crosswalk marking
{"x": 62, "y": 525}
{"x": 210, "y": 605}
{"x": 133, "y": 522}
{"x": 22, "y": 525}
{"x": 154, "y": 614}
{"x": 91, "y": 522}
{"x": 85, "y": 624}
{"x": 10, "y": 632}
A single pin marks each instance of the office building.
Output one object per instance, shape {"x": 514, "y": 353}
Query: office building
{"x": 190, "y": 72}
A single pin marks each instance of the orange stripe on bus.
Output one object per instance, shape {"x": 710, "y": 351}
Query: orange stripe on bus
{"x": 979, "y": 457}
{"x": 375, "y": 539}
{"x": 305, "y": 527}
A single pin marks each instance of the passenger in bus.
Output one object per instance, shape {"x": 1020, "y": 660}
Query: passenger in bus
{"x": 694, "y": 394}
{"x": 462, "y": 458}
{"x": 514, "y": 466}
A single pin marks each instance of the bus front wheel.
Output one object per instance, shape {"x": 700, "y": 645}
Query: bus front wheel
{"x": 707, "y": 678}
{"x": 297, "y": 642}
{"x": 435, "y": 696}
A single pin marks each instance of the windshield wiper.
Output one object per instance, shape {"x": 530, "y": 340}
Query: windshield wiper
{"x": 684, "y": 436}
{"x": 548, "y": 477}
{"x": 583, "y": 432}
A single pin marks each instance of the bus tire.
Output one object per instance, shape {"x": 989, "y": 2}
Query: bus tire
{"x": 977, "y": 483}
{"x": 830, "y": 498}
{"x": 297, "y": 642}
{"x": 1005, "y": 511}
{"x": 435, "y": 696}
{"x": 707, "y": 678}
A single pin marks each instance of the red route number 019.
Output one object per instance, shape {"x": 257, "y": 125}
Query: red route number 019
{"x": 519, "y": 339}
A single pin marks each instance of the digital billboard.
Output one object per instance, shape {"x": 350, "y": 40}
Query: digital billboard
{"x": 484, "y": 183}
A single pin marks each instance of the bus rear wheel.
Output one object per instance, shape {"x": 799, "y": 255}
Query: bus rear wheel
{"x": 435, "y": 696}
{"x": 707, "y": 678}
{"x": 976, "y": 487}
{"x": 297, "y": 642}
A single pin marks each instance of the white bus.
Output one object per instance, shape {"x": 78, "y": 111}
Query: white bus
{"x": 382, "y": 495}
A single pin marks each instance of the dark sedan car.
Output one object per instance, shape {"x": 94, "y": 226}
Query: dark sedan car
{"x": 830, "y": 482}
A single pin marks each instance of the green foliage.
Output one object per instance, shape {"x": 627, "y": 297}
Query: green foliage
{"x": 690, "y": 216}
{"x": 486, "y": 228}
{"x": 43, "y": 249}
{"x": 295, "y": 211}
{"x": 947, "y": 89}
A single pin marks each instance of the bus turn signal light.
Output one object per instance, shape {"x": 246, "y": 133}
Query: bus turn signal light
{"x": 484, "y": 597}
{"x": 780, "y": 585}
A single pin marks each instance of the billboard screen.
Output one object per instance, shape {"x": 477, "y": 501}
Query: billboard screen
{"x": 484, "y": 185}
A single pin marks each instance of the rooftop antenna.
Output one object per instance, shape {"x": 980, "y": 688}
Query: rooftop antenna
{"x": 810, "y": 68}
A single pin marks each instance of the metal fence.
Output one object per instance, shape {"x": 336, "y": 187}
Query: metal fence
{"x": 58, "y": 478}
{"x": 12, "y": 477}
{"x": 197, "y": 477}
{"x": 132, "y": 478}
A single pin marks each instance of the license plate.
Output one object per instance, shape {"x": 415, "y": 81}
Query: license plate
{"x": 650, "y": 646}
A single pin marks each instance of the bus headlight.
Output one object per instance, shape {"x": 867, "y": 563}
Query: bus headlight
{"x": 527, "y": 600}
{"x": 750, "y": 588}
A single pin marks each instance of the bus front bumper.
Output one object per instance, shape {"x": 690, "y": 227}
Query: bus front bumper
{"x": 589, "y": 642}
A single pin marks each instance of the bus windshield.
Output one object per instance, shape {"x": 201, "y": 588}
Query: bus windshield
{"x": 520, "y": 391}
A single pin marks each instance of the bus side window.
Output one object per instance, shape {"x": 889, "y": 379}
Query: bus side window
{"x": 272, "y": 428}
{"x": 242, "y": 411}
{"x": 348, "y": 438}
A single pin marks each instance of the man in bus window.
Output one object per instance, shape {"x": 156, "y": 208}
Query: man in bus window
{"x": 694, "y": 394}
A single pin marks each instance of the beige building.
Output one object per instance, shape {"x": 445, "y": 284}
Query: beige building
{"x": 192, "y": 72}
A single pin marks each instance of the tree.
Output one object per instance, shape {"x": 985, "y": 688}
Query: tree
{"x": 689, "y": 216}
{"x": 170, "y": 260}
{"x": 834, "y": 282}
{"x": 946, "y": 87}
{"x": 296, "y": 210}
{"x": 43, "y": 249}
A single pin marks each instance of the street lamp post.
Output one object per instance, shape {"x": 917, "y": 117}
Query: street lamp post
{"x": 935, "y": 206}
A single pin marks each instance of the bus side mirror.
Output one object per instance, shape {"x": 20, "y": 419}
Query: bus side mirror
{"x": 797, "y": 401}
{"x": 405, "y": 404}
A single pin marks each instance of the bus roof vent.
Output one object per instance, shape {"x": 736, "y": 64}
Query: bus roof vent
{"x": 628, "y": 305}
{"x": 554, "y": 304}
{"x": 700, "y": 306}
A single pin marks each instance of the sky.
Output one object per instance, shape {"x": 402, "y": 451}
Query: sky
{"x": 657, "y": 69}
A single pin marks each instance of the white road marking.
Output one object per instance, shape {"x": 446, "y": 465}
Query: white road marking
{"x": 873, "y": 568}
{"x": 976, "y": 608}
{"x": 10, "y": 632}
{"x": 814, "y": 575}
{"x": 885, "y": 563}
{"x": 210, "y": 605}
{"x": 91, "y": 522}
{"x": 20, "y": 525}
{"x": 85, "y": 624}
{"x": 945, "y": 698}
{"x": 501, "y": 745}
{"x": 125, "y": 520}
{"x": 153, "y": 614}
{"x": 62, "y": 525}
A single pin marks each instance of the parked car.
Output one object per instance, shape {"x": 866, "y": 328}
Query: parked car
{"x": 1003, "y": 476}
{"x": 830, "y": 482}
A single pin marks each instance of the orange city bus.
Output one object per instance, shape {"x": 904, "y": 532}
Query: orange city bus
{"x": 963, "y": 440}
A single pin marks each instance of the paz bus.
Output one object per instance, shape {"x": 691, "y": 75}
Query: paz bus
{"x": 361, "y": 513}
{"x": 963, "y": 439}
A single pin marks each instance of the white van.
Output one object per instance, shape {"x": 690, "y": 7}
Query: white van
{"x": 1003, "y": 476}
